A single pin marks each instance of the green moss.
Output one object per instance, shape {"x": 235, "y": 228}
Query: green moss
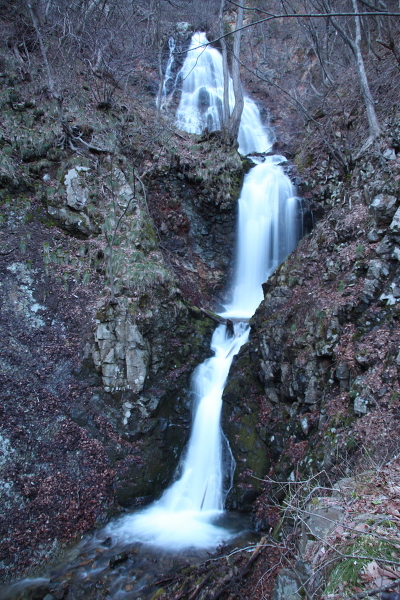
{"x": 47, "y": 221}
{"x": 351, "y": 443}
{"x": 358, "y": 335}
{"x": 277, "y": 529}
{"x": 150, "y": 234}
{"x": 360, "y": 251}
{"x": 303, "y": 160}
{"x": 348, "y": 570}
{"x": 248, "y": 443}
{"x": 388, "y": 524}
{"x": 188, "y": 570}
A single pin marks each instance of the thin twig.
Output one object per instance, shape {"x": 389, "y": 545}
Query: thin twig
{"x": 200, "y": 586}
{"x": 375, "y": 591}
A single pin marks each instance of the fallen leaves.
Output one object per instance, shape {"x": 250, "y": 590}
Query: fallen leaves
{"x": 377, "y": 575}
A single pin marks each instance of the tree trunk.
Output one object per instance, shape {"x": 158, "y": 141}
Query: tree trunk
{"x": 231, "y": 128}
{"x": 373, "y": 123}
{"x": 226, "y": 108}
{"x": 161, "y": 84}
{"x": 355, "y": 46}
{"x": 50, "y": 80}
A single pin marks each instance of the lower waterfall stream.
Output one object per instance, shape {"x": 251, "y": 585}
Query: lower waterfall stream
{"x": 189, "y": 517}
{"x": 186, "y": 516}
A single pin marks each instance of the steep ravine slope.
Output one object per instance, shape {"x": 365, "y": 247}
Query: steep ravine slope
{"x": 323, "y": 352}
{"x": 323, "y": 357}
{"x": 311, "y": 405}
{"x": 95, "y": 404}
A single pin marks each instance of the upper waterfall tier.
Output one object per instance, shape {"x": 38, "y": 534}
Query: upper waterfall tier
{"x": 201, "y": 104}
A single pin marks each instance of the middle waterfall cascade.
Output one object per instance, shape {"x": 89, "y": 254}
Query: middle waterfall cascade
{"x": 187, "y": 513}
{"x": 267, "y": 233}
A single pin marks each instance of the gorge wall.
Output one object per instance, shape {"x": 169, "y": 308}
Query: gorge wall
{"x": 323, "y": 358}
{"x": 95, "y": 394}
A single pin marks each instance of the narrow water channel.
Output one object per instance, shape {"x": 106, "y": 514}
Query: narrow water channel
{"x": 187, "y": 514}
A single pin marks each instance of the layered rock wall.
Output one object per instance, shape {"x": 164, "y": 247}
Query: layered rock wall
{"x": 322, "y": 360}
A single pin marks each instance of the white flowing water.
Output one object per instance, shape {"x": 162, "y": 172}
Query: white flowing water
{"x": 184, "y": 515}
{"x": 168, "y": 72}
{"x": 201, "y": 104}
{"x": 267, "y": 233}
{"x": 187, "y": 513}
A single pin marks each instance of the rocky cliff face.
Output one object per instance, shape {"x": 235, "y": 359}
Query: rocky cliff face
{"x": 322, "y": 363}
{"x": 96, "y": 403}
{"x": 195, "y": 208}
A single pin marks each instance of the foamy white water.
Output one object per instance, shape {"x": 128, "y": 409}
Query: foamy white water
{"x": 202, "y": 93}
{"x": 186, "y": 514}
{"x": 267, "y": 233}
{"x": 168, "y": 72}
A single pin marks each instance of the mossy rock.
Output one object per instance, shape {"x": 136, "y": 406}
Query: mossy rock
{"x": 240, "y": 420}
{"x": 35, "y": 152}
{"x": 159, "y": 455}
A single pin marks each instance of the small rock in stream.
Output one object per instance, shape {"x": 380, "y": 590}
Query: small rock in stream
{"x": 107, "y": 542}
{"x": 118, "y": 559}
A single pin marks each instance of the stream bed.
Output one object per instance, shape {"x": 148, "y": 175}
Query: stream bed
{"x": 101, "y": 568}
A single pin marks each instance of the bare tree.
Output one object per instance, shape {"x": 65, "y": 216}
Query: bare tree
{"x": 226, "y": 107}
{"x": 347, "y": 20}
{"x": 230, "y": 128}
{"x": 354, "y": 43}
{"x": 386, "y": 26}
{"x": 112, "y": 224}
{"x": 50, "y": 80}
{"x": 232, "y": 125}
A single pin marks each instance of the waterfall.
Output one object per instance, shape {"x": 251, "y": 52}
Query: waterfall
{"x": 186, "y": 515}
{"x": 267, "y": 233}
{"x": 202, "y": 92}
{"x": 168, "y": 77}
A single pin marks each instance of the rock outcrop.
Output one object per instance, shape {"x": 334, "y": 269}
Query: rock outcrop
{"x": 96, "y": 404}
{"x": 322, "y": 357}
{"x": 346, "y": 536}
{"x": 120, "y": 353}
